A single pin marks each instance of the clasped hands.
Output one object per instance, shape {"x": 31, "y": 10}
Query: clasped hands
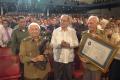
{"x": 38, "y": 58}
{"x": 65, "y": 44}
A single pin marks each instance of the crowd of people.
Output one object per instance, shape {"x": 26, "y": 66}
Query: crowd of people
{"x": 34, "y": 38}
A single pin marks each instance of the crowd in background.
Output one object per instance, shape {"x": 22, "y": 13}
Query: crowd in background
{"x": 50, "y": 23}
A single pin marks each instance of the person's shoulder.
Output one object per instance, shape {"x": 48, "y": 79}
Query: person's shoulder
{"x": 57, "y": 29}
{"x": 15, "y": 29}
{"x": 27, "y": 39}
{"x": 71, "y": 29}
{"x": 9, "y": 28}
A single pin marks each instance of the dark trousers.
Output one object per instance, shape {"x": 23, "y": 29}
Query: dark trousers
{"x": 22, "y": 71}
{"x": 114, "y": 72}
{"x": 63, "y": 71}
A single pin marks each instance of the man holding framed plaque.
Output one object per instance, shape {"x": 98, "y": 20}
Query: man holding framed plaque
{"x": 91, "y": 71}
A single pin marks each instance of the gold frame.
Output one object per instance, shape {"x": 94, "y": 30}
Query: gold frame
{"x": 107, "y": 59}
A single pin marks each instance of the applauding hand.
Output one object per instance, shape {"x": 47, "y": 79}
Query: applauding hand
{"x": 65, "y": 44}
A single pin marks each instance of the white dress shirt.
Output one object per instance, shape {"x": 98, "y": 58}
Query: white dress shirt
{"x": 64, "y": 55}
{"x": 4, "y": 36}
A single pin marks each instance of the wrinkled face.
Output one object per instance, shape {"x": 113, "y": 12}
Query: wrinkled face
{"x": 64, "y": 21}
{"x": 34, "y": 31}
{"x": 92, "y": 23}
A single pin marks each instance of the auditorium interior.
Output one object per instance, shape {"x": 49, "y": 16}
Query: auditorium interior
{"x": 46, "y": 11}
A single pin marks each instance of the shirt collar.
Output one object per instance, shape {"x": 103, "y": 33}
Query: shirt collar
{"x": 68, "y": 28}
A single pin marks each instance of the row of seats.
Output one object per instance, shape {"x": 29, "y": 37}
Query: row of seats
{"x": 9, "y": 66}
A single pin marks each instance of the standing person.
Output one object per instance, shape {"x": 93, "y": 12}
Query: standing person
{"x": 63, "y": 41}
{"x": 30, "y": 55}
{"x": 5, "y": 34}
{"x": 114, "y": 71}
{"x": 19, "y": 33}
{"x": 91, "y": 72}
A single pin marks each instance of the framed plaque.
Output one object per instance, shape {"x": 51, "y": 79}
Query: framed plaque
{"x": 97, "y": 51}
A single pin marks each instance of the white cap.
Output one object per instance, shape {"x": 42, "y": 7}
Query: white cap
{"x": 33, "y": 23}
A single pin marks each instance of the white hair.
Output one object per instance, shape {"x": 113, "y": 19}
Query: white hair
{"x": 93, "y": 17}
{"x": 65, "y": 15}
{"x": 33, "y": 23}
{"x": 69, "y": 17}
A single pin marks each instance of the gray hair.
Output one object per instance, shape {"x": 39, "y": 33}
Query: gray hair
{"x": 97, "y": 19}
{"x": 69, "y": 17}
